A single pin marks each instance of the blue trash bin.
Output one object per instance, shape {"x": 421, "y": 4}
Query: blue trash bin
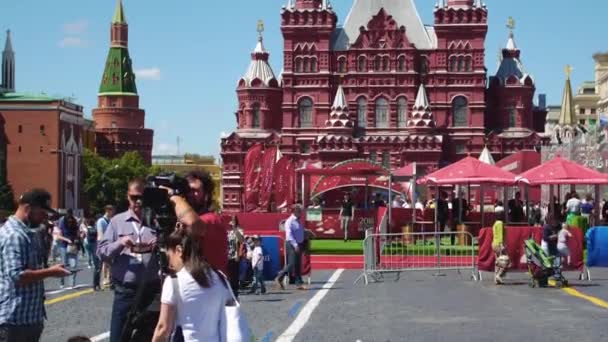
{"x": 271, "y": 245}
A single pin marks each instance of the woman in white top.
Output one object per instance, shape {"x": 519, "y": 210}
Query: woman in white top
{"x": 198, "y": 303}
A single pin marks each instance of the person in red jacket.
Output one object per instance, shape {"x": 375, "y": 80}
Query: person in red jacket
{"x": 214, "y": 236}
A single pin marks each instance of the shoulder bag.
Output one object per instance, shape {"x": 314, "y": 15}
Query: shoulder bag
{"x": 237, "y": 326}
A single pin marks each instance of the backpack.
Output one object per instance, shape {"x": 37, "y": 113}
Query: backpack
{"x": 91, "y": 234}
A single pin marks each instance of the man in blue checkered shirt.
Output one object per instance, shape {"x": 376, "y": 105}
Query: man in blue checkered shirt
{"x": 21, "y": 270}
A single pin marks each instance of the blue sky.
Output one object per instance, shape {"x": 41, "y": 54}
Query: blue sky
{"x": 190, "y": 53}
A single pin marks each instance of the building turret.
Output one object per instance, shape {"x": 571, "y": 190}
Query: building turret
{"x": 566, "y": 129}
{"x": 259, "y": 92}
{"x": 119, "y": 122}
{"x": 8, "y": 65}
{"x": 339, "y": 122}
{"x": 422, "y": 117}
{"x": 511, "y": 90}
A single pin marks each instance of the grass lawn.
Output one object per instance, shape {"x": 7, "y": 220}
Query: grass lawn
{"x": 337, "y": 247}
{"x": 355, "y": 247}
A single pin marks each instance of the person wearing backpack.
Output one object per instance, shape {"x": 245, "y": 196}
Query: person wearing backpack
{"x": 90, "y": 237}
{"x": 102, "y": 225}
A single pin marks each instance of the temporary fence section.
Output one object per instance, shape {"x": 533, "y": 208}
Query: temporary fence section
{"x": 400, "y": 252}
{"x": 597, "y": 251}
{"x": 514, "y": 238}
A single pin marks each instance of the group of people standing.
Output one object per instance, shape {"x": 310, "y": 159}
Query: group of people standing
{"x": 193, "y": 299}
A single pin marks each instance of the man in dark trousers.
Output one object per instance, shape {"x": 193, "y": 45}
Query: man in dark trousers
{"x": 443, "y": 211}
{"x": 516, "y": 209}
{"x": 460, "y": 211}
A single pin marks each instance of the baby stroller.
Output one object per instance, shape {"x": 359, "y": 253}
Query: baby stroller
{"x": 542, "y": 266}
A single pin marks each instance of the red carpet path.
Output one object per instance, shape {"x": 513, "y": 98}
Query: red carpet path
{"x": 351, "y": 262}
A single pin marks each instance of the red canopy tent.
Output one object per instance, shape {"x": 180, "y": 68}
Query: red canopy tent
{"x": 469, "y": 171}
{"x": 560, "y": 171}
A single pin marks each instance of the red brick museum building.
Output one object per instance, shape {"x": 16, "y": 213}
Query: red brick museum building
{"x": 382, "y": 87}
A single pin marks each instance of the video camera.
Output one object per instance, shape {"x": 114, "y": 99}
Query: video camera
{"x": 156, "y": 200}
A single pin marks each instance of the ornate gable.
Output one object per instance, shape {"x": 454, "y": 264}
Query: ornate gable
{"x": 382, "y": 32}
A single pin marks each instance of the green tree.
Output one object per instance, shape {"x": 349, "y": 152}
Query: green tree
{"x": 7, "y": 199}
{"x": 106, "y": 180}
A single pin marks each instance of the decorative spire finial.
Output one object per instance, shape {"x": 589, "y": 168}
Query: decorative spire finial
{"x": 260, "y": 28}
{"x": 511, "y": 25}
{"x": 568, "y": 71}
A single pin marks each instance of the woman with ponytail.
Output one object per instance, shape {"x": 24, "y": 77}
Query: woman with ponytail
{"x": 195, "y": 297}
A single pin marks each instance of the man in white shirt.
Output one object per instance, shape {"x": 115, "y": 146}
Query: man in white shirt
{"x": 102, "y": 225}
{"x": 294, "y": 237}
{"x": 573, "y": 206}
{"x": 257, "y": 263}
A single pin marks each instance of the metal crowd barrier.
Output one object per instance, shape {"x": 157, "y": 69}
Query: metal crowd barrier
{"x": 401, "y": 252}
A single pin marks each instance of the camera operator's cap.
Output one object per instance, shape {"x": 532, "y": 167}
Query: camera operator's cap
{"x": 38, "y": 198}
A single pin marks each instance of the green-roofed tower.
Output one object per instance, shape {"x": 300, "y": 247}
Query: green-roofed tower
{"x": 119, "y": 14}
{"x": 119, "y": 121}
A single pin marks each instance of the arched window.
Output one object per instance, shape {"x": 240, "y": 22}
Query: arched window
{"x": 460, "y": 64}
{"x": 381, "y": 113}
{"x": 401, "y": 64}
{"x": 401, "y": 112}
{"x": 298, "y": 64}
{"x": 313, "y": 65}
{"x": 377, "y": 63}
{"x": 362, "y": 64}
{"x": 452, "y": 63}
{"x": 424, "y": 65}
{"x": 512, "y": 116}
{"x": 362, "y": 112}
{"x": 342, "y": 65}
{"x": 460, "y": 109}
{"x": 467, "y": 64}
{"x": 305, "y": 111}
{"x": 255, "y": 116}
{"x": 385, "y": 63}
{"x": 305, "y": 64}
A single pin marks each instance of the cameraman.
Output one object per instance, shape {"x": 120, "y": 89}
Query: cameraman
{"x": 124, "y": 233}
{"x": 213, "y": 232}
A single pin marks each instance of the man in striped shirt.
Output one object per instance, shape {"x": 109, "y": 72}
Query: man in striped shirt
{"x": 21, "y": 270}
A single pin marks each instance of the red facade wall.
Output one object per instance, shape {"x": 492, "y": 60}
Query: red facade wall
{"x": 313, "y": 70}
{"x": 34, "y": 149}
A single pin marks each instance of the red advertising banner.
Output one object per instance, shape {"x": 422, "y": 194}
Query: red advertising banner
{"x": 252, "y": 176}
{"x": 284, "y": 182}
{"x": 266, "y": 177}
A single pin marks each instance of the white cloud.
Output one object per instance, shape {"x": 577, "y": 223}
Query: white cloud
{"x": 73, "y": 42}
{"x": 223, "y": 134}
{"x": 152, "y": 74}
{"x": 76, "y": 27}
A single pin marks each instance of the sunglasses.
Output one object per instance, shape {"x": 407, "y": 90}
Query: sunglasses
{"x": 136, "y": 198}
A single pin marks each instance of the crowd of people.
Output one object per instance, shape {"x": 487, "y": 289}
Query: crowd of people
{"x": 205, "y": 260}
